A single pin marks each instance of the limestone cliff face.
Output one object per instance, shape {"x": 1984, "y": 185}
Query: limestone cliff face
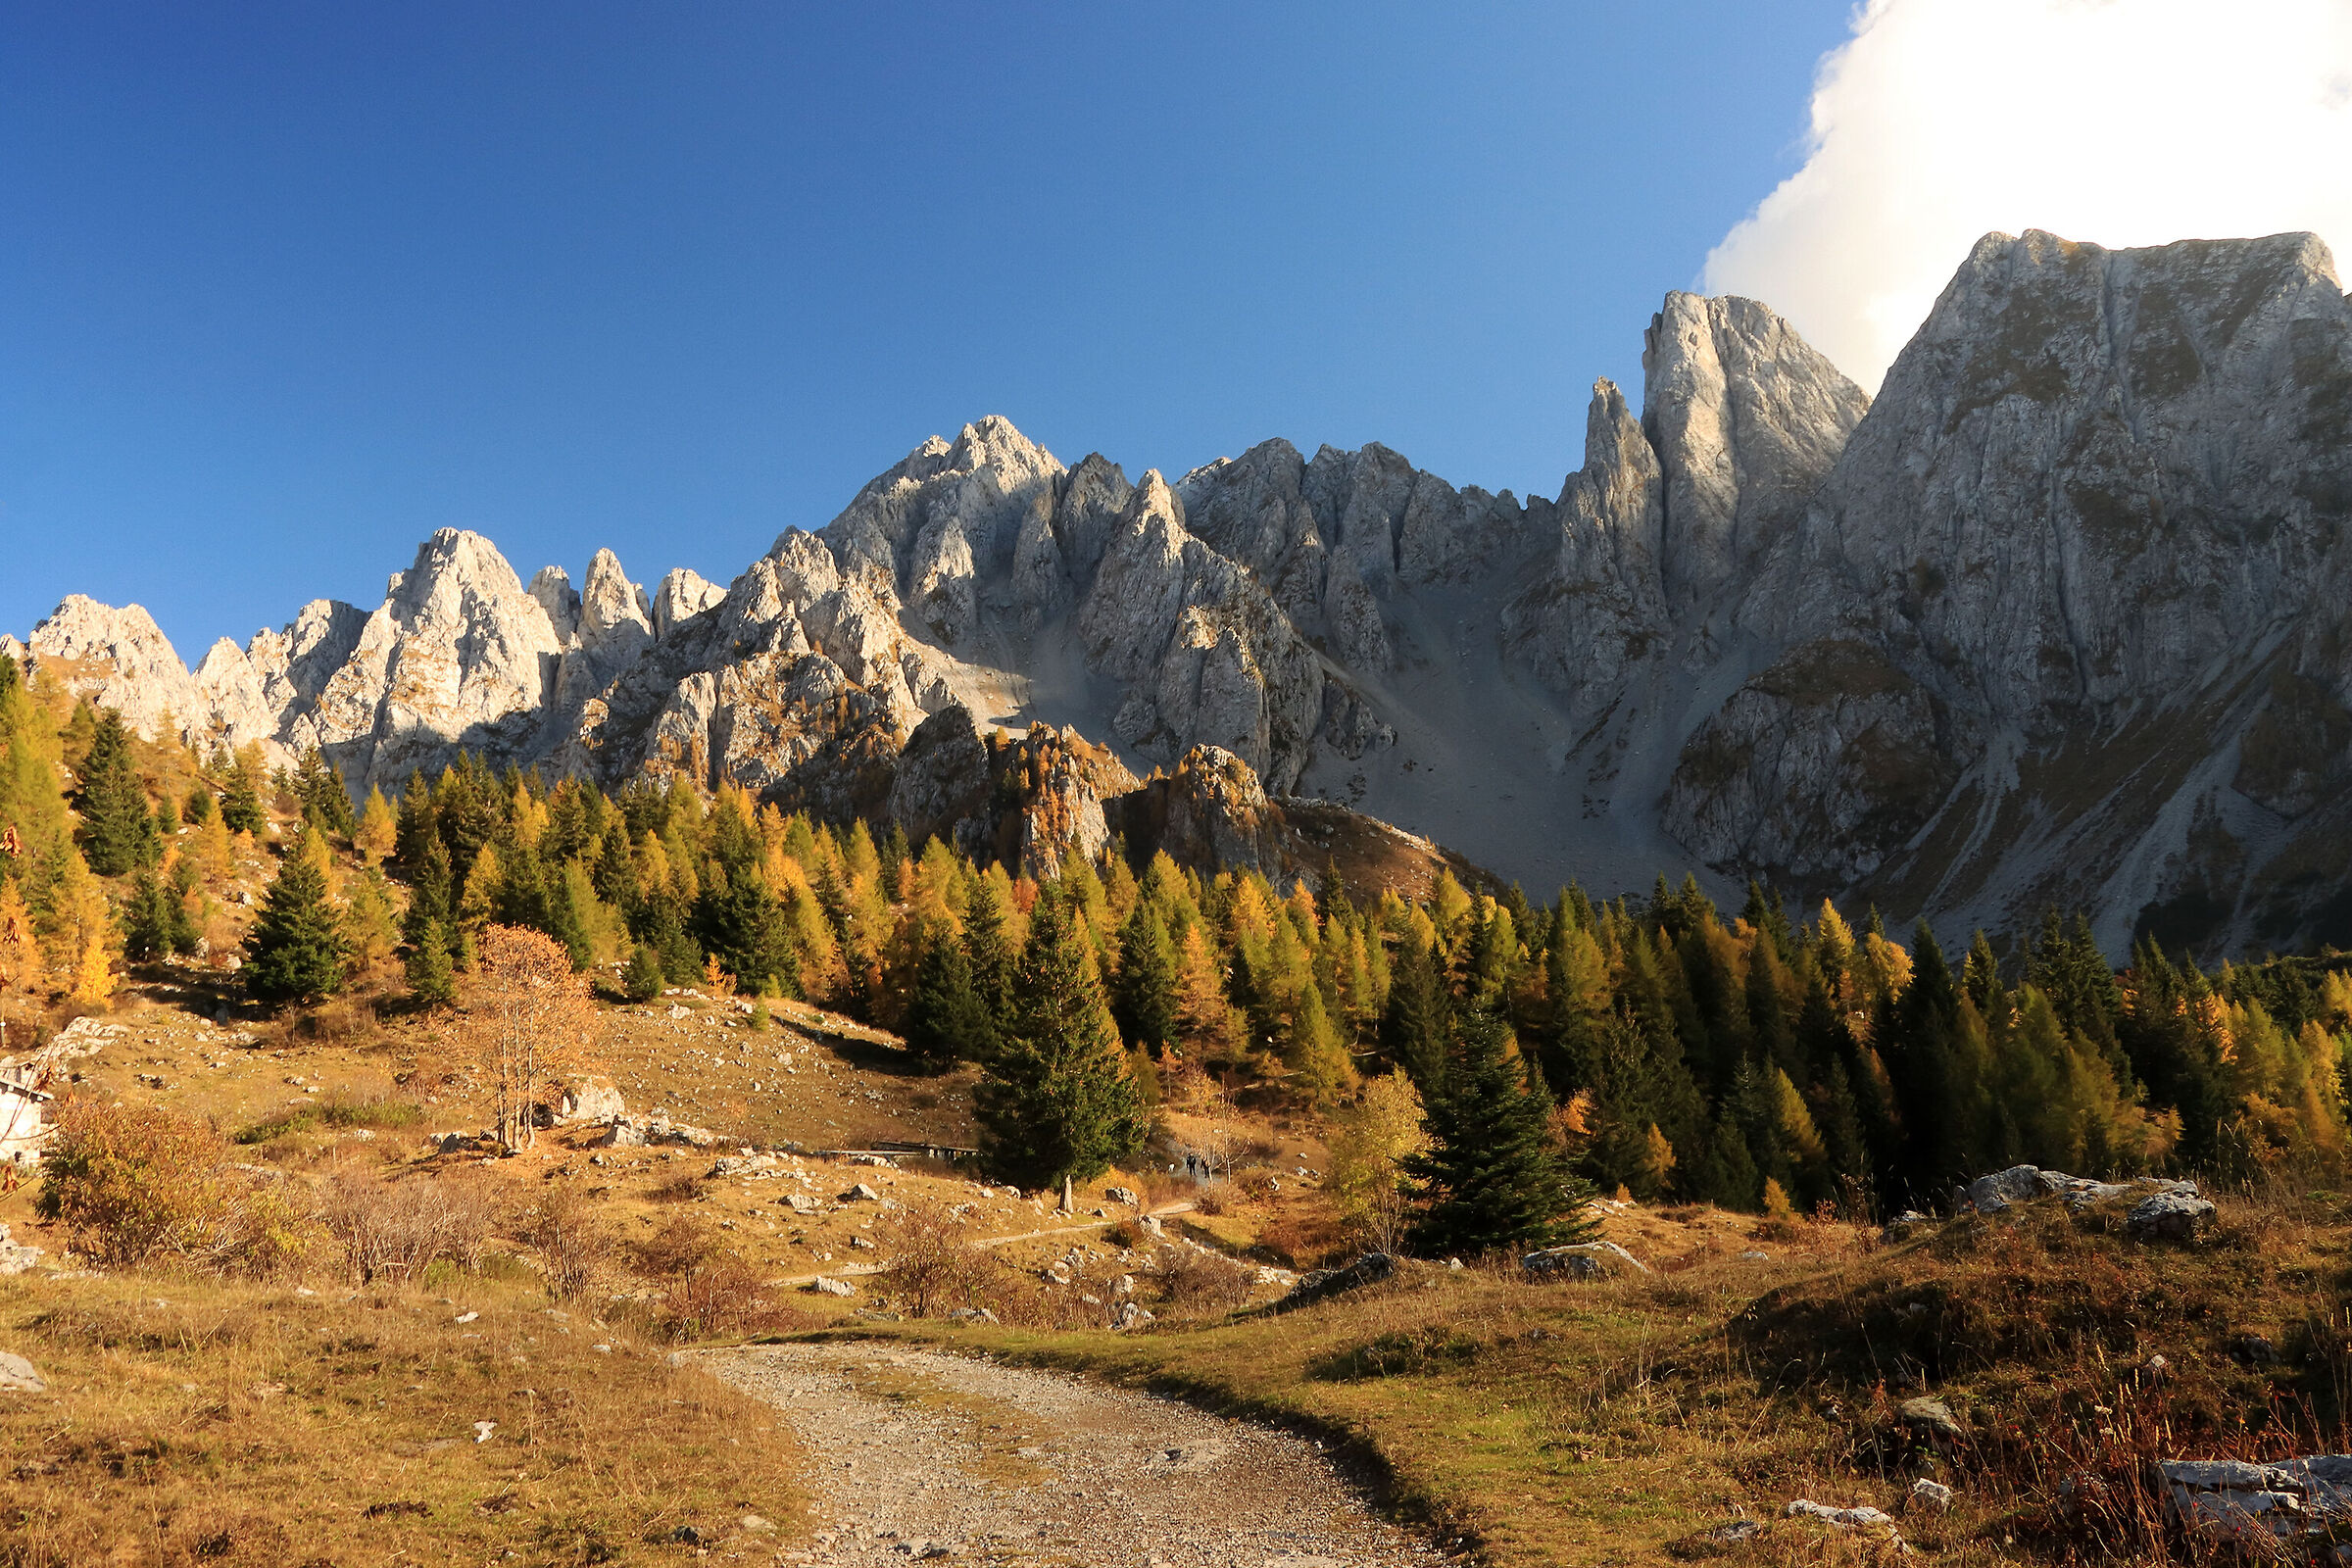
{"x": 2088, "y": 545}
{"x": 2059, "y": 618}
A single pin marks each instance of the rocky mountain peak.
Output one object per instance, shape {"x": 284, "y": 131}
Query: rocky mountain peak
{"x": 118, "y": 658}
{"x": 551, "y": 587}
{"x": 1746, "y": 420}
{"x": 949, "y": 518}
{"x": 2059, "y": 618}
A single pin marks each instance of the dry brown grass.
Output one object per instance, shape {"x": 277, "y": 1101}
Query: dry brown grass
{"x": 195, "y": 1421}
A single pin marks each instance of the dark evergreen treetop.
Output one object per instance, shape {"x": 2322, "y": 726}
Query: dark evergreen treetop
{"x": 324, "y": 799}
{"x": 1059, "y": 1102}
{"x": 946, "y": 1021}
{"x": 1495, "y": 1178}
{"x": 295, "y": 952}
{"x": 117, "y": 831}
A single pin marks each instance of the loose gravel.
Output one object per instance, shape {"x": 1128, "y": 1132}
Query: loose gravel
{"x": 923, "y": 1455}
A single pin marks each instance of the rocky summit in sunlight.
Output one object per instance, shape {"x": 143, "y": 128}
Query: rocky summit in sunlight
{"x": 2059, "y": 618}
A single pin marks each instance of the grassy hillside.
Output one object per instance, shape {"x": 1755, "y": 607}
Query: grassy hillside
{"x": 1623, "y": 1421}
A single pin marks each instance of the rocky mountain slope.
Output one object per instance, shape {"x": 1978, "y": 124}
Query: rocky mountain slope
{"x": 2058, "y": 619}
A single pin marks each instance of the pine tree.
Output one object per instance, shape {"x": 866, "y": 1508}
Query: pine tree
{"x": 1493, "y": 1177}
{"x": 643, "y": 980}
{"x": 947, "y": 1022}
{"x": 325, "y": 800}
{"x": 116, "y": 830}
{"x": 295, "y": 952}
{"x": 241, "y": 799}
{"x": 146, "y": 919}
{"x": 1058, "y": 1101}
{"x": 1143, "y": 999}
{"x": 432, "y": 977}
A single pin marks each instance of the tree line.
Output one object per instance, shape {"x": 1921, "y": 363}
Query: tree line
{"x": 1671, "y": 1050}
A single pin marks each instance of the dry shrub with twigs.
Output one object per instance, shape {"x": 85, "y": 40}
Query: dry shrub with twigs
{"x": 707, "y": 1288}
{"x": 529, "y": 1020}
{"x": 1203, "y": 1282}
{"x": 571, "y": 1244}
{"x": 397, "y": 1229}
{"x": 933, "y": 1265}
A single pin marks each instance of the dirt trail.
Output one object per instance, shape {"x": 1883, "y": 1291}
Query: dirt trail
{"x": 923, "y": 1455}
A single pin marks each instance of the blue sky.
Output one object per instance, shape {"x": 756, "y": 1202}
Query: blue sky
{"x": 283, "y": 288}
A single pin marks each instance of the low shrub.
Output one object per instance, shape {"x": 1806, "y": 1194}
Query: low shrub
{"x": 933, "y": 1268}
{"x": 571, "y": 1244}
{"x": 397, "y": 1229}
{"x": 1207, "y": 1283}
{"x": 708, "y": 1289}
{"x": 138, "y": 1183}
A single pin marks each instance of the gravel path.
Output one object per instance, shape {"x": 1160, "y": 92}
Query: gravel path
{"x": 920, "y": 1454}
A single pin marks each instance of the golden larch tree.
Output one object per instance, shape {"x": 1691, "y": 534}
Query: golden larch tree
{"x": 529, "y": 1021}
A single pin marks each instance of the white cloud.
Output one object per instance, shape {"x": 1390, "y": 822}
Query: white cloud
{"x": 2115, "y": 121}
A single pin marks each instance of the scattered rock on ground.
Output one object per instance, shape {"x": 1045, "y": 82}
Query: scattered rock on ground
{"x": 1996, "y": 1192}
{"x": 1931, "y": 1416}
{"x": 1324, "y": 1283}
{"x": 15, "y": 1257}
{"x": 1845, "y": 1518}
{"x": 2256, "y": 1505}
{"x": 19, "y": 1376}
{"x": 1583, "y": 1261}
{"x": 2171, "y": 1217}
{"x": 1930, "y": 1496}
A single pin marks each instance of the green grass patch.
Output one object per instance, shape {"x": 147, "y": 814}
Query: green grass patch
{"x": 378, "y": 1114}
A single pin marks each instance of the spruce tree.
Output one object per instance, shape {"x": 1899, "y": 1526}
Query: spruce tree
{"x": 1058, "y": 1101}
{"x": 984, "y": 942}
{"x": 146, "y": 919}
{"x": 295, "y": 952}
{"x": 116, "y": 830}
{"x": 1415, "y": 1024}
{"x": 180, "y": 924}
{"x": 1493, "y": 1177}
{"x": 432, "y": 976}
{"x": 642, "y": 979}
{"x": 742, "y": 925}
{"x": 242, "y": 798}
{"x": 1144, "y": 996}
{"x": 1922, "y": 1046}
{"x": 947, "y": 1022}
{"x": 324, "y": 801}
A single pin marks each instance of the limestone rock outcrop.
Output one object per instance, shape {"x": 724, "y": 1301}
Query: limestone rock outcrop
{"x": 118, "y": 658}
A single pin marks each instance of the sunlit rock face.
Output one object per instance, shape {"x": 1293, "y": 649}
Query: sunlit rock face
{"x": 2056, "y": 620}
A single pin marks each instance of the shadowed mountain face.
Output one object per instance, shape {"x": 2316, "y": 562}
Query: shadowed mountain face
{"x": 2058, "y": 619}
